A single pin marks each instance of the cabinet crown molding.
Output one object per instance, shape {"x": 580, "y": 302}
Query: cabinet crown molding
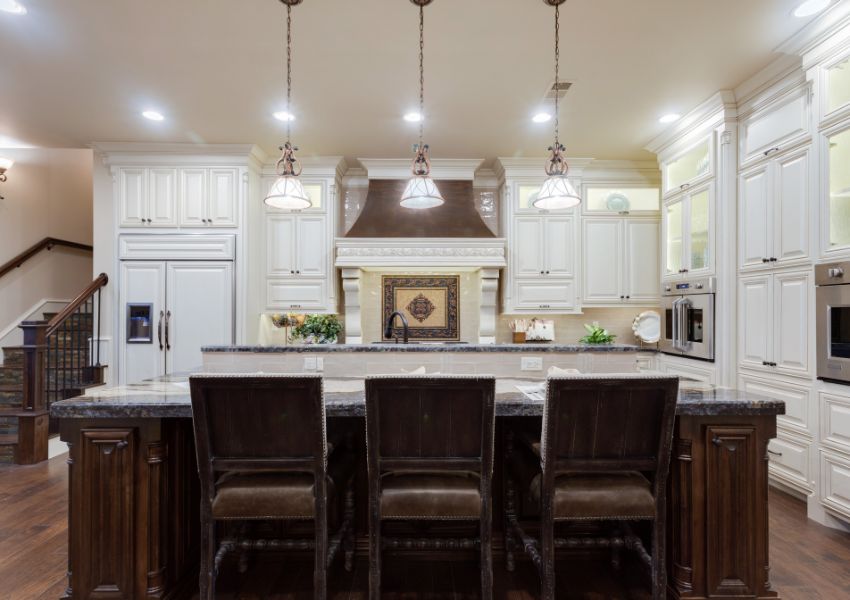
{"x": 721, "y": 107}
{"x": 121, "y": 154}
{"x": 534, "y": 167}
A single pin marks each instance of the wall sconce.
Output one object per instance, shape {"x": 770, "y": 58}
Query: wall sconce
{"x": 5, "y": 165}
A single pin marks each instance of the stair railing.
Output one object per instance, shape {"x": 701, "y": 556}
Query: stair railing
{"x": 47, "y": 243}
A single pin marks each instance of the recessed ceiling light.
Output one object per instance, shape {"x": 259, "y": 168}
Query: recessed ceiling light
{"x": 12, "y": 6}
{"x": 811, "y": 7}
{"x": 413, "y": 117}
{"x": 541, "y": 117}
{"x": 153, "y": 115}
{"x": 671, "y": 118}
{"x": 282, "y": 115}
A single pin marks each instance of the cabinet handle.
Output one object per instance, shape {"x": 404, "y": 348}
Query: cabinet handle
{"x": 298, "y": 272}
{"x": 771, "y": 151}
{"x": 541, "y": 272}
{"x": 773, "y": 259}
{"x": 628, "y": 297}
{"x": 765, "y": 260}
{"x": 121, "y": 444}
{"x": 544, "y": 306}
{"x": 292, "y": 272}
{"x": 774, "y": 452}
{"x": 294, "y": 306}
{"x": 716, "y": 441}
{"x": 684, "y": 186}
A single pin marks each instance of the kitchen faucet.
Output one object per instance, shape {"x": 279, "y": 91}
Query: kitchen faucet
{"x": 388, "y": 332}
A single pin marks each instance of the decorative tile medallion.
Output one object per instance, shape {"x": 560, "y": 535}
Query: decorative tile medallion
{"x": 430, "y": 305}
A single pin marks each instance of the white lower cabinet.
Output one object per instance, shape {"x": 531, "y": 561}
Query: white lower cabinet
{"x": 835, "y": 421}
{"x": 796, "y": 396}
{"x": 835, "y": 483}
{"x": 773, "y": 317}
{"x": 695, "y": 370}
{"x": 296, "y": 294}
{"x": 790, "y": 457}
{"x": 621, "y": 261}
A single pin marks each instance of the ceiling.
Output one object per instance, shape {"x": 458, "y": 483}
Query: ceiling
{"x": 72, "y": 73}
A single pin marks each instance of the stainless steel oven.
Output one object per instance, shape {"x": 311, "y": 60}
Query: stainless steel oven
{"x": 687, "y": 318}
{"x": 833, "y": 321}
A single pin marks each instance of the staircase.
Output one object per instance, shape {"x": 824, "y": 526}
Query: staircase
{"x": 59, "y": 359}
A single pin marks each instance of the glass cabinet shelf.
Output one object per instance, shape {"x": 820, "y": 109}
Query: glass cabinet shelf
{"x": 689, "y": 166}
{"x": 622, "y": 200}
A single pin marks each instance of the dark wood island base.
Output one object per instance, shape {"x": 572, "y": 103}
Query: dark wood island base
{"x": 134, "y": 494}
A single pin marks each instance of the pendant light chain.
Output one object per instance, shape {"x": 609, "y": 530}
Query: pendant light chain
{"x": 557, "y": 69}
{"x": 288, "y": 71}
{"x": 421, "y": 75}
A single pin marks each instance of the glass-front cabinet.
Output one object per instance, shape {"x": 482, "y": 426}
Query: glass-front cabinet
{"x": 315, "y": 191}
{"x": 838, "y": 85}
{"x": 628, "y": 200}
{"x": 688, "y": 167}
{"x": 688, "y": 233}
{"x": 525, "y": 193}
{"x": 839, "y": 191}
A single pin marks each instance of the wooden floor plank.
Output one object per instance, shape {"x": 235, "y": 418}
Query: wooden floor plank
{"x": 809, "y": 561}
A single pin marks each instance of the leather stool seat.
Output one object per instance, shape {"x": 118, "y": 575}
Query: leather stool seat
{"x": 449, "y": 495}
{"x": 269, "y": 495}
{"x": 595, "y": 496}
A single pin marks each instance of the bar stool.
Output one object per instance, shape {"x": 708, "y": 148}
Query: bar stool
{"x": 603, "y": 455}
{"x": 429, "y": 443}
{"x": 263, "y": 455}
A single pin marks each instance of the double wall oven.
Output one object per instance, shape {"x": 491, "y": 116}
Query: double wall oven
{"x": 687, "y": 318}
{"x": 833, "y": 321}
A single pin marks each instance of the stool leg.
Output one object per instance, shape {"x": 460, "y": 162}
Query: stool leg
{"x": 486, "y": 549}
{"x": 374, "y": 550}
{"x": 659, "y": 558}
{"x": 348, "y": 540}
{"x": 206, "y": 579}
{"x": 547, "y": 552}
{"x": 510, "y": 506}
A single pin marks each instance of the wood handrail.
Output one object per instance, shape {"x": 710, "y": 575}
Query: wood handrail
{"x": 46, "y": 243}
{"x": 56, "y": 322}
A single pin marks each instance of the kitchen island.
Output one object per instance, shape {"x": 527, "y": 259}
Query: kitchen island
{"x": 133, "y": 527}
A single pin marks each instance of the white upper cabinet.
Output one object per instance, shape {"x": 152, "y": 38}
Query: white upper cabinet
{"x": 296, "y": 246}
{"x": 688, "y": 233}
{"x": 620, "y": 261}
{"x": 774, "y": 211}
{"x": 837, "y": 86}
{"x": 168, "y": 197}
{"x": 544, "y": 246}
{"x": 688, "y": 167}
{"x": 836, "y": 230}
{"x": 774, "y": 323}
{"x": 312, "y": 246}
{"x": 528, "y": 247}
{"x": 782, "y": 124}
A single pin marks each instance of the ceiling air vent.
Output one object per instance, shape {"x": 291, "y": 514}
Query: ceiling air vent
{"x": 560, "y": 89}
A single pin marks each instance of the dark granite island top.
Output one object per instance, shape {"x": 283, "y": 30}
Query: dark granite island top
{"x": 168, "y": 397}
{"x": 430, "y": 347}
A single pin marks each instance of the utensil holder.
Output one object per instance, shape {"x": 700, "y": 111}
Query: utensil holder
{"x": 519, "y": 337}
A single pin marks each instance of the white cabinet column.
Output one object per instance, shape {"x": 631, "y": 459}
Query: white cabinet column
{"x": 351, "y": 295}
{"x": 489, "y": 306}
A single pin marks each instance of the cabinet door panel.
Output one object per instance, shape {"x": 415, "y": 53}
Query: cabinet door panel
{"x": 700, "y": 231}
{"x": 545, "y": 294}
{"x": 560, "y": 246}
{"x": 280, "y": 245}
{"x": 791, "y": 322}
{"x": 797, "y": 399}
{"x": 732, "y": 457}
{"x": 528, "y": 246}
{"x": 311, "y": 246}
{"x": 223, "y": 198}
{"x": 755, "y": 324}
{"x": 789, "y": 461}
{"x": 193, "y": 197}
{"x": 603, "y": 251}
{"x": 142, "y": 283}
{"x": 132, "y": 197}
{"x": 103, "y": 492}
{"x": 673, "y": 226}
{"x": 199, "y": 300}
{"x": 640, "y": 277}
{"x": 755, "y": 220}
{"x": 295, "y": 294}
{"x": 162, "y": 200}
{"x": 792, "y": 207}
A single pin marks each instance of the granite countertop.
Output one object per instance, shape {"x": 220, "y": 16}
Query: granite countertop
{"x": 168, "y": 397}
{"x": 433, "y": 347}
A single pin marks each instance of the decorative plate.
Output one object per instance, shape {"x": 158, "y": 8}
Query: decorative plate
{"x": 647, "y": 327}
{"x": 617, "y": 202}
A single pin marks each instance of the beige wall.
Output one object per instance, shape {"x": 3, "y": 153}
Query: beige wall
{"x": 370, "y": 302}
{"x": 48, "y": 193}
{"x": 570, "y": 328}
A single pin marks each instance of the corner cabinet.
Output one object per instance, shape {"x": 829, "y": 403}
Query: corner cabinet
{"x": 299, "y": 273}
{"x": 620, "y": 261}
{"x": 191, "y": 197}
{"x": 688, "y": 232}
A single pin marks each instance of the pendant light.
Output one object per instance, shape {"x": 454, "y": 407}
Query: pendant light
{"x": 287, "y": 192}
{"x": 557, "y": 192}
{"x": 421, "y": 191}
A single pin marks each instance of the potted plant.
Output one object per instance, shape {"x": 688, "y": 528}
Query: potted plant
{"x": 597, "y": 335}
{"x": 318, "y": 329}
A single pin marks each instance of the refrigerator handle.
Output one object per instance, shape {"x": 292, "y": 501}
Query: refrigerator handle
{"x": 167, "y": 323}
{"x": 159, "y": 329}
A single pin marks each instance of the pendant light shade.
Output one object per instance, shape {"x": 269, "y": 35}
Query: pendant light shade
{"x": 557, "y": 193}
{"x": 288, "y": 193}
{"x": 421, "y": 192}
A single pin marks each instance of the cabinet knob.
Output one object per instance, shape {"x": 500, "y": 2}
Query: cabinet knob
{"x": 121, "y": 444}
{"x": 774, "y": 452}
{"x": 765, "y": 260}
{"x": 716, "y": 441}
{"x": 771, "y": 151}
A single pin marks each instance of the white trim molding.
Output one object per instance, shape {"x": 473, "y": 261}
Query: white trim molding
{"x": 420, "y": 253}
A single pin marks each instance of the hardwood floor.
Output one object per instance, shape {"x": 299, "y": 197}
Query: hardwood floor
{"x": 809, "y": 562}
